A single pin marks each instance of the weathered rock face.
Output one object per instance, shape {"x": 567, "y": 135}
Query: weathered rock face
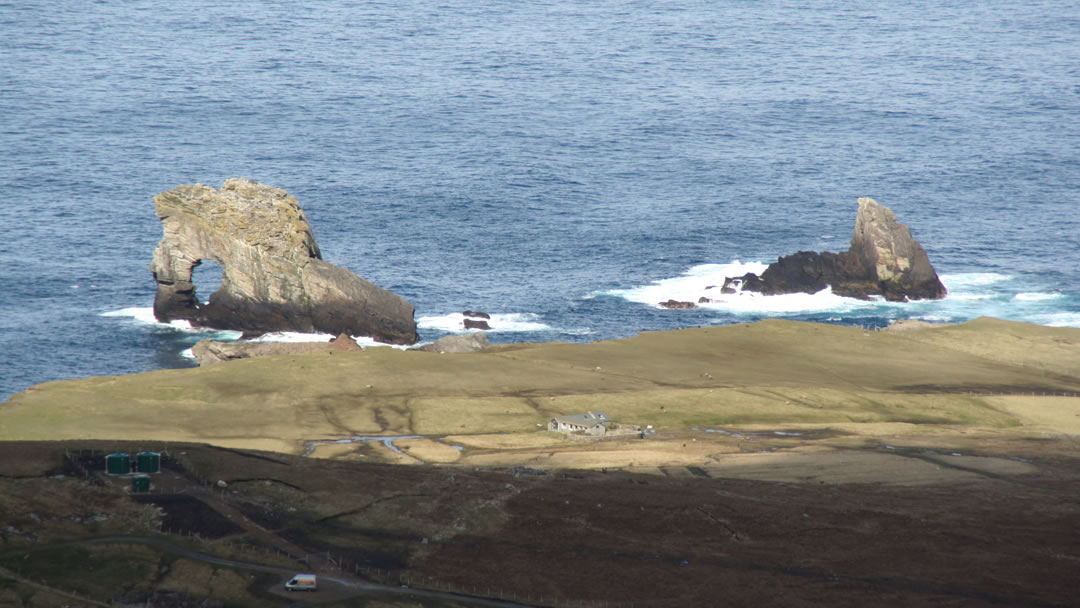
{"x": 474, "y": 324}
{"x": 209, "y": 352}
{"x": 884, "y": 260}
{"x": 465, "y": 343}
{"x": 273, "y": 276}
{"x": 886, "y": 249}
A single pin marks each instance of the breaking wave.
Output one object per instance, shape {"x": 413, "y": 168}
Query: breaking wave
{"x": 507, "y": 322}
{"x": 145, "y": 316}
{"x": 970, "y": 295}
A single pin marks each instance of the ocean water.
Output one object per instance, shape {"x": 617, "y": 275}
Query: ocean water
{"x": 562, "y": 165}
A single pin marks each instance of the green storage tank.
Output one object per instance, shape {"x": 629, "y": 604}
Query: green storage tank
{"x": 148, "y": 462}
{"x": 140, "y": 484}
{"x": 118, "y": 464}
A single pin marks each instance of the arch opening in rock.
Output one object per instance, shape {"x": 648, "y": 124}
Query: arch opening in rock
{"x": 207, "y": 279}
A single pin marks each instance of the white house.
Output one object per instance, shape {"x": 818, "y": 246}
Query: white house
{"x": 590, "y": 423}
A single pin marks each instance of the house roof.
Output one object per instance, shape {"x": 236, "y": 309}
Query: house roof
{"x": 586, "y": 419}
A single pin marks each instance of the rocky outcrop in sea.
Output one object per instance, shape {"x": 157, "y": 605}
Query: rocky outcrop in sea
{"x": 273, "y": 275}
{"x": 883, "y": 260}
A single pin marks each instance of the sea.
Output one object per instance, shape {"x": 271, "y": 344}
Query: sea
{"x": 563, "y": 165}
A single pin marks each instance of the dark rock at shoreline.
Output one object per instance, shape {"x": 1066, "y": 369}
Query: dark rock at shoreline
{"x": 677, "y": 304}
{"x": 884, "y": 260}
{"x": 344, "y": 342}
{"x": 472, "y": 324}
{"x": 273, "y": 275}
{"x": 476, "y": 315}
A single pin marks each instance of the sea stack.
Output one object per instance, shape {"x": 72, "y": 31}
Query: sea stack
{"x": 884, "y": 260}
{"x": 273, "y": 275}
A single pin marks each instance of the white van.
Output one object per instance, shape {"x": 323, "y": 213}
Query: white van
{"x": 302, "y": 582}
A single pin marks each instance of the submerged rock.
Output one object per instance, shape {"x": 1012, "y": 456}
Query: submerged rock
{"x": 883, "y": 260}
{"x": 273, "y": 275}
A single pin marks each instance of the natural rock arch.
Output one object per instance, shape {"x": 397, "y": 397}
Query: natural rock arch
{"x": 273, "y": 275}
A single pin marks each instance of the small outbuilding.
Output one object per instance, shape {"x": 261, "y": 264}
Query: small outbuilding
{"x": 589, "y": 423}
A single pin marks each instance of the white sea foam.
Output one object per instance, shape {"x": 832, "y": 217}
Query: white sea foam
{"x": 695, "y": 283}
{"x": 705, "y": 281}
{"x": 507, "y": 322}
{"x": 962, "y": 297}
{"x": 744, "y": 303}
{"x": 295, "y": 336}
{"x": 964, "y": 280}
{"x": 934, "y": 318}
{"x": 1059, "y": 319}
{"x": 292, "y": 336}
{"x": 997, "y": 295}
{"x": 145, "y": 316}
{"x": 1036, "y": 296}
{"x": 368, "y": 342}
{"x": 970, "y": 295}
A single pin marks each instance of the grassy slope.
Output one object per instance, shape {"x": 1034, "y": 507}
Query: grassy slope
{"x": 771, "y": 372}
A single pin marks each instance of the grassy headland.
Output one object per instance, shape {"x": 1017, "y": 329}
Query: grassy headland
{"x": 986, "y": 378}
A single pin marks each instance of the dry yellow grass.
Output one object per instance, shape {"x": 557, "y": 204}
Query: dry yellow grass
{"x": 824, "y": 465}
{"x": 426, "y": 450}
{"x": 510, "y": 441}
{"x": 1048, "y": 415}
{"x": 767, "y": 375}
{"x": 338, "y": 451}
{"x": 1047, "y": 350}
